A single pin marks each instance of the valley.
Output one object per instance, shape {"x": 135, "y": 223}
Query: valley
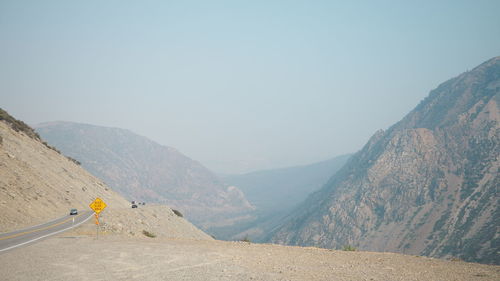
{"x": 427, "y": 186}
{"x": 249, "y": 140}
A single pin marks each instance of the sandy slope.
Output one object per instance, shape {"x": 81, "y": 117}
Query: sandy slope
{"x": 38, "y": 184}
{"x": 158, "y": 220}
{"x": 78, "y": 256}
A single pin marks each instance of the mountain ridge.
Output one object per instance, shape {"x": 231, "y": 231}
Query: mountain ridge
{"x": 427, "y": 185}
{"x": 144, "y": 170}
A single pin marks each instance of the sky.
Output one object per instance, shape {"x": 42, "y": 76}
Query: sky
{"x": 238, "y": 85}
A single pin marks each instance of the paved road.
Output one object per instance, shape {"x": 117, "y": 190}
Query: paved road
{"x": 32, "y": 234}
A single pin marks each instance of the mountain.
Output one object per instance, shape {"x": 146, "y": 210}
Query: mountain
{"x": 274, "y": 193}
{"x": 429, "y": 185}
{"x": 143, "y": 170}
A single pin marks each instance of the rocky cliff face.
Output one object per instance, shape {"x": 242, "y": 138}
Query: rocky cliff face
{"x": 143, "y": 170}
{"x": 429, "y": 185}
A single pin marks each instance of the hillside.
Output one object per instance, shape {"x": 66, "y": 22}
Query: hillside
{"x": 143, "y": 170}
{"x": 274, "y": 193}
{"x": 37, "y": 184}
{"x": 429, "y": 185}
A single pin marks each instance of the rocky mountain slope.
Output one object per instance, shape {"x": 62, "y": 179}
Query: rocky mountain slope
{"x": 274, "y": 193}
{"x": 429, "y": 185}
{"x": 143, "y": 170}
{"x": 37, "y": 184}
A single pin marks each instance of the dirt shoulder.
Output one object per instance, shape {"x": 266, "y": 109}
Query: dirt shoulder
{"x": 74, "y": 256}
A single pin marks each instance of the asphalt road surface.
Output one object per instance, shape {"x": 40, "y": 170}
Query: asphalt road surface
{"x": 32, "y": 234}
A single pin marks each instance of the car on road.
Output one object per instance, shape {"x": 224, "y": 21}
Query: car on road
{"x": 73, "y": 212}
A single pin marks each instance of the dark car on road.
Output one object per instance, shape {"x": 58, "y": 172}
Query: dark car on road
{"x": 73, "y": 212}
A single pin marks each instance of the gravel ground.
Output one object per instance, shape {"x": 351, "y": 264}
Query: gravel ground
{"x": 73, "y": 256}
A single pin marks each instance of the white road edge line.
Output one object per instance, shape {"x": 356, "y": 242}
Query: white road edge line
{"x": 30, "y": 227}
{"x": 47, "y": 235}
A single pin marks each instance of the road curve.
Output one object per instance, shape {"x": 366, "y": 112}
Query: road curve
{"x": 35, "y": 233}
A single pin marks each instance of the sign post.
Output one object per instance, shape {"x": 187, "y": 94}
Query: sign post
{"x": 98, "y": 205}
{"x": 97, "y": 225}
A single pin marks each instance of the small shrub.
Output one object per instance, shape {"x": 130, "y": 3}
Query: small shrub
{"x": 148, "y": 234}
{"x": 177, "y": 213}
{"x": 74, "y": 160}
{"x": 246, "y": 239}
{"x": 18, "y": 125}
{"x": 50, "y": 147}
{"x": 349, "y": 248}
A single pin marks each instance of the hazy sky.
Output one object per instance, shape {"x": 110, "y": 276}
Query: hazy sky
{"x": 238, "y": 85}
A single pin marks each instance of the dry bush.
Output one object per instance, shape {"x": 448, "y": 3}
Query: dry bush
{"x": 177, "y": 213}
{"x": 148, "y": 234}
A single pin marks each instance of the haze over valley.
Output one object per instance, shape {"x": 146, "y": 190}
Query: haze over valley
{"x": 262, "y": 140}
{"x": 430, "y": 180}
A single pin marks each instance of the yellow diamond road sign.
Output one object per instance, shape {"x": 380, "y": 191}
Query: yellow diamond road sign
{"x": 98, "y": 205}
